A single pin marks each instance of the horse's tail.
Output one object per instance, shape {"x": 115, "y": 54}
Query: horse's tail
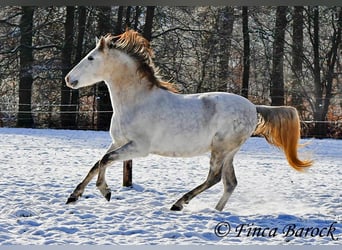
{"x": 281, "y": 127}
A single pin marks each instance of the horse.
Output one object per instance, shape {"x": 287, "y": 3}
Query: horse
{"x": 151, "y": 117}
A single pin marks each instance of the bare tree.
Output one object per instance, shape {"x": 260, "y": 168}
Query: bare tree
{"x": 118, "y": 27}
{"x": 149, "y": 22}
{"x": 128, "y": 22}
{"x": 225, "y": 26}
{"x": 199, "y": 48}
{"x": 297, "y": 57}
{"x": 246, "y": 52}
{"x": 277, "y": 78}
{"x": 323, "y": 84}
{"x": 79, "y": 51}
{"x": 26, "y": 60}
{"x": 68, "y": 109}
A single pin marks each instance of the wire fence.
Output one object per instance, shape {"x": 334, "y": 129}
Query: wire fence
{"x": 49, "y": 116}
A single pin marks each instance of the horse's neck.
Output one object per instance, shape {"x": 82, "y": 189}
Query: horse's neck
{"x": 125, "y": 96}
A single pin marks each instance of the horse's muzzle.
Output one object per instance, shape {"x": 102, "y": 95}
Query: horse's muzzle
{"x": 71, "y": 84}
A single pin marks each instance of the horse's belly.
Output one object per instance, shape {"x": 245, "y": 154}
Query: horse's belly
{"x": 181, "y": 146}
{"x": 184, "y": 153}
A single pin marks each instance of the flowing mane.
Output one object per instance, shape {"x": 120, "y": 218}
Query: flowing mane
{"x": 138, "y": 47}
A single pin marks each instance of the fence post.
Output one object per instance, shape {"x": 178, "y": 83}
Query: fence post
{"x": 127, "y": 173}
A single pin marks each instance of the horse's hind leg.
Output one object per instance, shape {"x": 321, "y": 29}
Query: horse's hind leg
{"x": 229, "y": 181}
{"x": 213, "y": 178}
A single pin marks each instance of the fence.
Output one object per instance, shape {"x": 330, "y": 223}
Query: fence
{"x": 49, "y": 117}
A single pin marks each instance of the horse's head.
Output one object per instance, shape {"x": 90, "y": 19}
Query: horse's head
{"x": 100, "y": 64}
{"x": 117, "y": 59}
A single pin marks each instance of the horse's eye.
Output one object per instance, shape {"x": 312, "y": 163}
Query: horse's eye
{"x": 90, "y": 58}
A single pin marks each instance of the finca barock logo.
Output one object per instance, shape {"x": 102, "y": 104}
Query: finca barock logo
{"x": 223, "y": 229}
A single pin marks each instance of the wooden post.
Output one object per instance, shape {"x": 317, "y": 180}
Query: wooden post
{"x": 127, "y": 173}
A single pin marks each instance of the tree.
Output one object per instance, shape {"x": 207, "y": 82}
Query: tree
{"x": 193, "y": 47}
{"x": 246, "y": 52}
{"x": 68, "y": 108}
{"x": 149, "y": 22}
{"x": 81, "y": 23}
{"x": 225, "y": 25}
{"x": 297, "y": 56}
{"x": 277, "y": 78}
{"x": 118, "y": 27}
{"x": 323, "y": 84}
{"x": 26, "y": 60}
{"x": 318, "y": 113}
{"x": 128, "y": 17}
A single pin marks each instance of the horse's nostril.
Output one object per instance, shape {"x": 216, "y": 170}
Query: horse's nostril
{"x": 70, "y": 83}
{"x": 74, "y": 83}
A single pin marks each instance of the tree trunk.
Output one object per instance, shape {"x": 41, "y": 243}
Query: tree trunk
{"x": 277, "y": 78}
{"x": 68, "y": 110}
{"x": 25, "y": 74}
{"x": 149, "y": 22}
{"x": 118, "y": 27}
{"x": 323, "y": 89}
{"x": 320, "y": 128}
{"x": 81, "y": 22}
{"x": 331, "y": 62}
{"x": 246, "y": 52}
{"x": 226, "y": 25}
{"x": 128, "y": 17}
{"x": 297, "y": 57}
{"x": 104, "y": 106}
{"x": 136, "y": 17}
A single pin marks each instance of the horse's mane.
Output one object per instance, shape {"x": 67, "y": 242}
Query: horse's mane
{"x": 138, "y": 47}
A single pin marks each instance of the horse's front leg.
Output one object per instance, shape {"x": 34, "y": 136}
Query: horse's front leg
{"x": 80, "y": 187}
{"x": 93, "y": 171}
{"x": 128, "y": 151}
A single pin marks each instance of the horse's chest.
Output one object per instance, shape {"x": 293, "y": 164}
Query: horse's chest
{"x": 116, "y": 130}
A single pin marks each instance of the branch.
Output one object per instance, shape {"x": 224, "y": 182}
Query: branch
{"x": 179, "y": 28}
{"x": 29, "y": 47}
{"x": 5, "y": 21}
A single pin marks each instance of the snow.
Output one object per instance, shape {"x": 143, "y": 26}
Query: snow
{"x": 41, "y": 167}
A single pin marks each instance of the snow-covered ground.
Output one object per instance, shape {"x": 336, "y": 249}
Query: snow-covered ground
{"x": 272, "y": 203}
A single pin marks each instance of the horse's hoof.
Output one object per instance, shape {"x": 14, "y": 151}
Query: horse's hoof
{"x": 71, "y": 199}
{"x": 108, "y": 195}
{"x": 176, "y": 208}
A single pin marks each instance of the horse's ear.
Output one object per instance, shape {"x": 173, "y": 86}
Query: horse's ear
{"x": 102, "y": 43}
{"x": 97, "y": 40}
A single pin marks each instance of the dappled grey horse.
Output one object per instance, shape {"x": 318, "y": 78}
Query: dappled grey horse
{"x": 149, "y": 117}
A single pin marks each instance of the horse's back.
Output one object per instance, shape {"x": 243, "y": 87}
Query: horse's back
{"x": 188, "y": 125}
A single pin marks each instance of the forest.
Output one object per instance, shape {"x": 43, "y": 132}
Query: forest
{"x": 272, "y": 55}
